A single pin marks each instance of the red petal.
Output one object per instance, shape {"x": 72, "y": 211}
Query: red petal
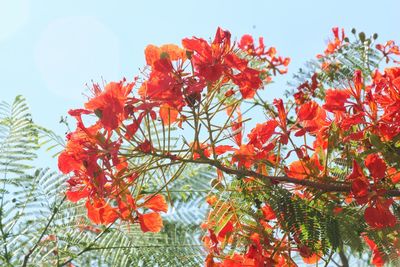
{"x": 168, "y": 114}
{"x": 377, "y": 259}
{"x": 67, "y": 163}
{"x": 312, "y": 259}
{"x": 308, "y": 111}
{"x": 359, "y": 188}
{"x": 376, "y": 166}
{"x": 100, "y": 212}
{"x": 219, "y": 150}
{"x": 356, "y": 172}
{"x": 150, "y": 222}
{"x": 75, "y": 196}
{"x": 152, "y": 54}
{"x": 268, "y": 212}
{"x": 335, "y": 100}
{"x": 379, "y": 217}
{"x": 157, "y": 203}
{"x": 228, "y": 228}
{"x": 261, "y": 133}
{"x": 298, "y": 170}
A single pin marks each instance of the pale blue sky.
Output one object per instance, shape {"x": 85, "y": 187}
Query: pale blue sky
{"x": 50, "y": 49}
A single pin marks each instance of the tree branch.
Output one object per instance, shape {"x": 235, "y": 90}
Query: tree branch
{"x": 323, "y": 186}
{"x": 56, "y": 209}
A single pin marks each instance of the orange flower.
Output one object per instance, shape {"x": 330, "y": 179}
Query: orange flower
{"x": 376, "y": 166}
{"x": 74, "y": 195}
{"x": 109, "y": 104}
{"x": 380, "y": 216}
{"x": 100, "y": 212}
{"x": 305, "y": 168}
{"x": 314, "y": 258}
{"x": 208, "y": 59}
{"x": 168, "y": 114}
{"x": 336, "y": 43}
{"x": 298, "y": 170}
{"x": 156, "y": 203}
{"x": 244, "y": 156}
{"x": 268, "y": 212}
{"x": 150, "y": 222}
{"x": 261, "y": 133}
{"x": 171, "y": 51}
{"x": 335, "y": 100}
{"x": 394, "y": 175}
{"x": 377, "y": 256}
{"x": 222, "y": 149}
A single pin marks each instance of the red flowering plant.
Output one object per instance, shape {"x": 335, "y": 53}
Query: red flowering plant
{"x": 317, "y": 176}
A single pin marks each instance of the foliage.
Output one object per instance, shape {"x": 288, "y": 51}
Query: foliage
{"x": 39, "y": 228}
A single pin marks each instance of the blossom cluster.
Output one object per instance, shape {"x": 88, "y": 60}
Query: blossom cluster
{"x": 357, "y": 122}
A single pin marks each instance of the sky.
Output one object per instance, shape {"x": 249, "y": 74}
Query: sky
{"x": 50, "y": 50}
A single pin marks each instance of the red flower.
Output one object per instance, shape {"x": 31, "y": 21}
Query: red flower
{"x": 236, "y": 126}
{"x": 247, "y": 44}
{"x": 165, "y": 83}
{"x": 305, "y": 168}
{"x": 335, "y": 100}
{"x": 377, "y": 256}
{"x": 150, "y": 222}
{"x": 394, "y": 175}
{"x": 74, "y": 195}
{"x": 388, "y": 49}
{"x": 308, "y": 111}
{"x": 109, "y": 104}
{"x": 268, "y": 212}
{"x": 126, "y": 205}
{"x": 244, "y": 156}
{"x": 261, "y": 133}
{"x": 212, "y": 61}
{"x": 248, "y": 81}
{"x": 359, "y": 184}
{"x": 145, "y": 146}
{"x": 170, "y": 51}
{"x": 380, "y": 216}
{"x": 100, "y": 212}
{"x": 80, "y": 153}
{"x": 228, "y": 228}
{"x": 311, "y": 117}
{"x": 312, "y": 259}
{"x": 358, "y": 83}
{"x": 168, "y": 114}
{"x": 298, "y": 170}
{"x": 203, "y": 150}
{"x": 237, "y": 260}
{"x": 360, "y": 189}
{"x": 222, "y": 149}
{"x": 156, "y": 203}
{"x": 376, "y": 166}
{"x": 336, "y": 42}
{"x": 208, "y": 59}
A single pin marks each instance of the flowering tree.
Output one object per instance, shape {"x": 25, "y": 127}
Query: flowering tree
{"x": 317, "y": 175}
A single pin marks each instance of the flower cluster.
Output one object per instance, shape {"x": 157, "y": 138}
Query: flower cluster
{"x": 177, "y": 76}
{"x": 344, "y": 140}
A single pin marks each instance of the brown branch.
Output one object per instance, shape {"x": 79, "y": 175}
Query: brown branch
{"x": 323, "y": 186}
{"x": 343, "y": 258}
{"x": 56, "y": 209}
